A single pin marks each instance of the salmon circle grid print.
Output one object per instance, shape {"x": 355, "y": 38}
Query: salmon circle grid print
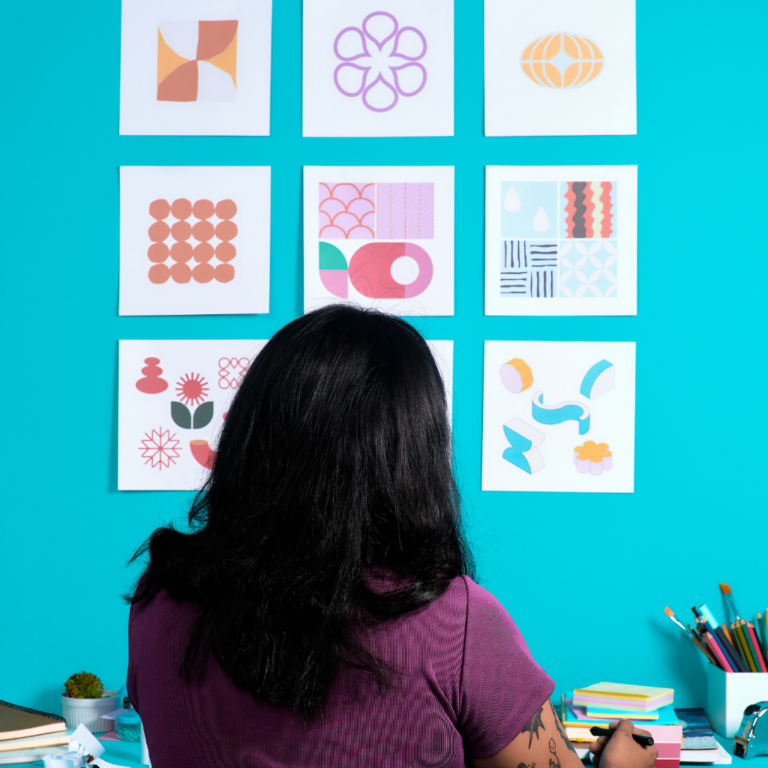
{"x": 562, "y": 61}
{"x": 201, "y": 241}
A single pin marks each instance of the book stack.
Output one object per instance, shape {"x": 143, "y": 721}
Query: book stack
{"x": 26, "y": 734}
{"x": 648, "y": 708}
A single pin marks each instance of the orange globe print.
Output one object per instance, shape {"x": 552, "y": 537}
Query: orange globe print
{"x": 562, "y": 60}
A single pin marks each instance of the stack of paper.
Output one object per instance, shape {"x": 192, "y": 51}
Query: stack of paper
{"x": 607, "y": 699}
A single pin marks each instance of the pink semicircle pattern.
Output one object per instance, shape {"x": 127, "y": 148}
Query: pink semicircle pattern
{"x": 347, "y": 211}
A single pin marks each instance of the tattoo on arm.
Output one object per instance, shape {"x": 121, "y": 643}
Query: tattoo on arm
{"x": 561, "y": 730}
{"x": 533, "y": 727}
{"x": 523, "y": 765}
{"x": 554, "y": 761}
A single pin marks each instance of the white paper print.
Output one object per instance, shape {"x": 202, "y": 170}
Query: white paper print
{"x": 560, "y": 68}
{"x": 378, "y": 69}
{"x": 194, "y": 240}
{"x": 196, "y": 67}
{"x": 379, "y": 237}
{"x": 561, "y": 240}
{"x": 173, "y": 399}
{"x": 559, "y": 416}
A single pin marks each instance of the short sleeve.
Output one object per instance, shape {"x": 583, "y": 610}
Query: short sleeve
{"x": 501, "y": 687}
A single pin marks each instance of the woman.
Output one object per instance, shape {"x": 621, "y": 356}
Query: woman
{"x": 321, "y": 611}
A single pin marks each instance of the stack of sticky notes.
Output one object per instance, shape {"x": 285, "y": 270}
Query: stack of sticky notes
{"x": 648, "y": 708}
{"x": 617, "y": 700}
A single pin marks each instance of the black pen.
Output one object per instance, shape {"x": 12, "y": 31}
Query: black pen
{"x": 646, "y": 741}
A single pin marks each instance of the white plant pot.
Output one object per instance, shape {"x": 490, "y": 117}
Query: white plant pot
{"x": 88, "y": 712}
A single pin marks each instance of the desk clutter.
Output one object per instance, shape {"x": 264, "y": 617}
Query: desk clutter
{"x": 680, "y": 735}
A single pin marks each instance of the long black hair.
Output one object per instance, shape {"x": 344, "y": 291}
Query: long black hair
{"x": 334, "y": 470}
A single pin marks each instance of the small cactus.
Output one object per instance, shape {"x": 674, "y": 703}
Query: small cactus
{"x": 84, "y": 685}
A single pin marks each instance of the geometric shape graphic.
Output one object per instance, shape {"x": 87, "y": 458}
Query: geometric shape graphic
{"x": 528, "y": 268}
{"x": 333, "y": 270}
{"x": 590, "y": 209}
{"x": 516, "y": 375}
{"x": 192, "y": 389}
{"x": 202, "y": 453}
{"x": 347, "y": 211}
{"x": 232, "y": 370}
{"x": 523, "y": 439}
{"x": 592, "y": 273}
{"x": 207, "y": 256}
{"x": 557, "y": 414}
{"x": 181, "y": 415}
{"x": 592, "y": 458}
{"x": 370, "y": 270}
{"x": 197, "y": 61}
{"x": 529, "y": 209}
{"x": 599, "y": 379}
{"x": 562, "y": 61}
{"x": 203, "y": 416}
{"x": 380, "y": 61}
{"x": 160, "y": 448}
{"x": 405, "y": 211}
{"x": 152, "y": 384}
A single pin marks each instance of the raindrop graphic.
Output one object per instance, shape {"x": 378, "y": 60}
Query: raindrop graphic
{"x": 512, "y": 201}
{"x": 541, "y": 220}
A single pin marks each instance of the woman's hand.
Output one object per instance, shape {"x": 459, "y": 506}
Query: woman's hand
{"x": 620, "y": 750}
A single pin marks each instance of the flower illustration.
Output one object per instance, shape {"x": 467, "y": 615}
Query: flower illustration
{"x": 592, "y": 458}
{"x": 192, "y": 389}
{"x": 380, "y": 61}
{"x": 574, "y": 280}
{"x": 160, "y": 448}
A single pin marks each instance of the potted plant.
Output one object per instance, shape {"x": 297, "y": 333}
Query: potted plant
{"x": 85, "y": 701}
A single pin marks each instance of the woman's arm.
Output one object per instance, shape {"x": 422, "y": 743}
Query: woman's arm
{"x": 543, "y": 744}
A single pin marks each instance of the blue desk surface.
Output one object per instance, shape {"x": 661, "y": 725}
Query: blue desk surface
{"x": 128, "y": 754}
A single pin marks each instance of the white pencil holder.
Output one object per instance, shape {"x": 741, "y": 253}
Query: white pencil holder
{"x": 729, "y": 694}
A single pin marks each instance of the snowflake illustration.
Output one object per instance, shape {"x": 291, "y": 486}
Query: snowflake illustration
{"x": 160, "y": 448}
{"x": 192, "y": 389}
{"x": 601, "y": 280}
{"x": 380, "y": 61}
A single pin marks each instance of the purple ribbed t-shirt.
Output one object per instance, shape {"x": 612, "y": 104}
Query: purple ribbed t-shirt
{"x": 467, "y": 685}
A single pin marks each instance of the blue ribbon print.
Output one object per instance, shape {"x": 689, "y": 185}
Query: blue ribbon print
{"x": 557, "y": 414}
{"x": 523, "y": 438}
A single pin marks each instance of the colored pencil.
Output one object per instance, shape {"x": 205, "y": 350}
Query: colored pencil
{"x": 758, "y": 651}
{"x": 704, "y": 649}
{"x": 740, "y": 646}
{"x": 724, "y": 645}
{"x": 712, "y": 642}
{"x": 727, "y": 633}
{"x": 745, "y": 646}
{"x": 761, "y": 626}
{"x": 730, "y": 651}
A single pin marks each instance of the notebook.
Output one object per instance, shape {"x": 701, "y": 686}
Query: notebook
{"x": 638, "y": 698}
{"x": 29, "y": 755}
{"x": 43, "y": 740}
{"x": 17, "y": 722}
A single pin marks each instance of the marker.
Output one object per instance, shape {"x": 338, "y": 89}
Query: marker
{"x": 646, "y": 741}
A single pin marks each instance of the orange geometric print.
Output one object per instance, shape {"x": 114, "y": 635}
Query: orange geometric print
{"x": 184, "y": 232}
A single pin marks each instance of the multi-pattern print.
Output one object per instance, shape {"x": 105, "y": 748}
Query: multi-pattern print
{"x": 580, "y": 259}
{"x": 347, "y": 211}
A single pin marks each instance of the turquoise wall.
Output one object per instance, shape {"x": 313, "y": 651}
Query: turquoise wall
{"x": 585, "y": 576}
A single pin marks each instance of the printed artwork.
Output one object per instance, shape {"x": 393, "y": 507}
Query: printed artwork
{"x": 560, "y": 68}
{"x": 384, "y": 70}
{"x": 384, "y": 241}
{"x": 173, "y": 399}
{"x": 197, "y": 61}
{"x": 559, "y": 416}
{"x": 202, "y": 233}
{"x": 195, "y": 67}
{"x": 194, "y": 240}
{"x": 549, "y": 237}
{"x": 167, "y": 433}
{"x": 377, "y": 72}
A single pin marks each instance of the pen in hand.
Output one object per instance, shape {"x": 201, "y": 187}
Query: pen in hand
{"x": 646, "y": 741}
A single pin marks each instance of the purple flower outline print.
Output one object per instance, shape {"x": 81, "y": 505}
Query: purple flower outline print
{"x": 391, "y": 63}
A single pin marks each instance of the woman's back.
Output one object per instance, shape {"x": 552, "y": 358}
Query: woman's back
{"x": 464, "y": 685}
